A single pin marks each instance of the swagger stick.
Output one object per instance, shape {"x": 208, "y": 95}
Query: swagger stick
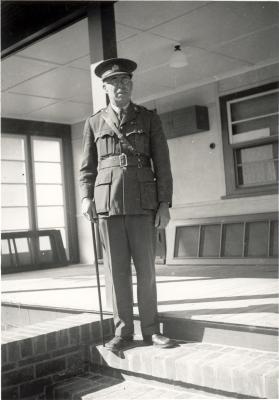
{"x": 98, "y": 282}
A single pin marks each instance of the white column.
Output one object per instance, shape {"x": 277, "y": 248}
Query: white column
{"x": 102, "y": 44}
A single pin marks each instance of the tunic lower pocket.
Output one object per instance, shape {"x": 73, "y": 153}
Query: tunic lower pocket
{"x": 102, "y": 192}
{"x": 148, "y": 195}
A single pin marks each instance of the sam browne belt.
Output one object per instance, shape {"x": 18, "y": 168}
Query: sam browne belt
{"x": 123, "y": 160}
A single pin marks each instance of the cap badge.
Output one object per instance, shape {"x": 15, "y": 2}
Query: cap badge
{"x": 115, "y": 68}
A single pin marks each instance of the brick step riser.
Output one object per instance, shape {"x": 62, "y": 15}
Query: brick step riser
{"x": 218, "y": 333}
{"x": 110, "y": 384}
{"x": 115, "y": 372}
{"x": 225, "y": 369}
{"x": 159, "y": 382}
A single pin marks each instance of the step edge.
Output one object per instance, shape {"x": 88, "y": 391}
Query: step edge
{"x": 222, "y": 325}
{"x": 163, "y": 317}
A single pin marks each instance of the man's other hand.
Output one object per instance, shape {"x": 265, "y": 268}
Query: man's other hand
{"x": 162, "y": 216}
{"x": 88, "y": 209}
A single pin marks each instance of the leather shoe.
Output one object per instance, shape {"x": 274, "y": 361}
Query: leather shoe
{"x": 119, "y": 343}
{"x": 158, "y": 340}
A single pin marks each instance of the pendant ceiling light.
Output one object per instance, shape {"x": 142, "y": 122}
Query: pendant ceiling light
{"x": 178, "y": 58}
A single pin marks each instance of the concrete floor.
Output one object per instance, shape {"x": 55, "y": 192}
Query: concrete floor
{"x": 230, "y": 294}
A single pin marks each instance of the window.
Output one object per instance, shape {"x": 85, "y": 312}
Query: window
{"x": 46, "y": 164}
{"x": 250, "y": 136}
{"x": 37, "y": 191}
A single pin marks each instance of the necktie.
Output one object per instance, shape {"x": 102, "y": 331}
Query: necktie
{"x": 121, "y": 114}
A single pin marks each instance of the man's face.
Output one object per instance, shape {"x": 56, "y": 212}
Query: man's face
{"x": 119, "y": 89}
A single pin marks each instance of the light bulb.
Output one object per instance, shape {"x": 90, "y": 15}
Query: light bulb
{"x": 178, "y": 58}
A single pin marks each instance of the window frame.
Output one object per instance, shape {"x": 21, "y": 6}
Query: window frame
{"x": 232, "y": 190}
{"x": 63, "y": 173}
{"x": 44, "y": 130}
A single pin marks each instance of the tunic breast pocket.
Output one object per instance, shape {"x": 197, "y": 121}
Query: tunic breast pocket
{"x": 105, "y": 141}
{"x": 137, "y": 138}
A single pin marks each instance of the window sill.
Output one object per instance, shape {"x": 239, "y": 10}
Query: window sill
{"x": 246, "y": 193}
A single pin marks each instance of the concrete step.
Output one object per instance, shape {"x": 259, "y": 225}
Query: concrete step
{"x": 230, "y": 370}
{"x": 240, "y": 335}
{"x": 99, "y": 386}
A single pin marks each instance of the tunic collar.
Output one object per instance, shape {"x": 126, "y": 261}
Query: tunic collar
{"x": 129, "y": 115}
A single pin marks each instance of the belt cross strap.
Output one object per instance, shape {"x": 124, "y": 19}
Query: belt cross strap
{"x": 121, "y": 137}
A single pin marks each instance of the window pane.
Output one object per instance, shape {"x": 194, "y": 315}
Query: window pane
{"x": 232, "y": 240}
{"x": 187, "y": 241}
{"x": 257, "y": 174}
{"x": 49, "y": 195}
{"x": 46, "y": 253}
{"x": 22, "y": 245}
{"x": 255, "y": 106}
{"x": 5, "y": 246}
{"x": 274, "y": 239}
{"x": 258, "y": 128}
{"x": 14, "y": 195}
{"x": 257, "y": 239}
{"x": 12, "y": 148}
{"x": 44, "y": 243}
{"x": 46, "y": 150}
{"x": 13, "y": 172}
{"x": 257, "y": 165}
{"x": 48, "y": 173}
{"x": 50, "y": 217}
{"x": 258, "y": 153}
{"x": 15, "y": 219}
{"x": 23, "y": 252}
{"x": 210, "y": 241}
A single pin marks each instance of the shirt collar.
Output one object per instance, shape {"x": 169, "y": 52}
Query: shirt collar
{"x": 117, "y": 109}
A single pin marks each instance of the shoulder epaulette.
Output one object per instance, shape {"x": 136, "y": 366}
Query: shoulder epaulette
{"x": 96, "y": 113}
{"x": 140, "y": 107}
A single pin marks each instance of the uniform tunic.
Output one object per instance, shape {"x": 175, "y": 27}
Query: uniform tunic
{"x": 126, "y": 199}
{"x": 143, "y": 188}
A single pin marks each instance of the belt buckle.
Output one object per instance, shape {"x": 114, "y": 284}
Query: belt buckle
{"x": 123, "y": 162}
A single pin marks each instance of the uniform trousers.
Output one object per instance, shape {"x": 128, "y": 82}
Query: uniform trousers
{"x": 126, "y": 237}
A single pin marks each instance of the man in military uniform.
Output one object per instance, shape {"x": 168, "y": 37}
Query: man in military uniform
{"x": 126, "y": 184}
